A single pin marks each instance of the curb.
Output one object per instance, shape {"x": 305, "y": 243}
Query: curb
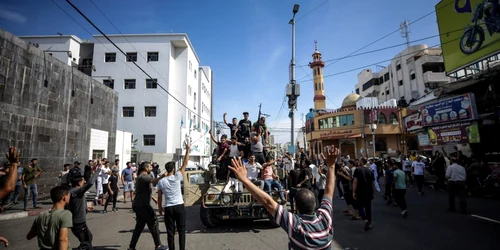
{"x": 18, "y": 215}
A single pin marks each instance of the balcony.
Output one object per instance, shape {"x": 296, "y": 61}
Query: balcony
{"x": 432, "y": 79}
{"x": 429, "y": 59}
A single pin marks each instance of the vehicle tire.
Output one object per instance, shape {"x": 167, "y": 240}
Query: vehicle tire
{"x": 476, "y": 45}
{"x": 208, "y": 218}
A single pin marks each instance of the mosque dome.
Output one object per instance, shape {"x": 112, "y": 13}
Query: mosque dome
{"x": 350, "y": 100}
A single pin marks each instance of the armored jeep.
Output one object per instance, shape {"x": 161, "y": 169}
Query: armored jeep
{"x": 216, "y": 207}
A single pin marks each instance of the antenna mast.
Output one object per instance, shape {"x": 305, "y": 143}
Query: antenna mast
{"x": 404, "y": 27}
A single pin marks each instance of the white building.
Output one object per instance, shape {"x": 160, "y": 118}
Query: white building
{"x": 67, "y": 48}
{"x": 145, "y": 109}
{"x": 413, "y": 73}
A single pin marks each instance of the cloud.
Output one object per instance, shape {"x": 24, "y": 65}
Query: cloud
{"x": 13, "y": 16}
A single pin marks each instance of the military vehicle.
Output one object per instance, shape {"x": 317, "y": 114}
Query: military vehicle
{"x": 214, "y": 207}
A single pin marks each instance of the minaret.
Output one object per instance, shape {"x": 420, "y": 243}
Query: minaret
{"x": 319, "y": 89}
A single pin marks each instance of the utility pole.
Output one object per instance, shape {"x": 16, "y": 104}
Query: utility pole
{"x": 293, "y": 89}
{"x": 405, "y": 32}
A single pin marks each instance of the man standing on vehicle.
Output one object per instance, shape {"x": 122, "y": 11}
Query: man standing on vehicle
{"x": 222, "y": 151}
{"x": 233, "y": 127}
{"x": 175, "y": 214}
{"x": 257, "y": 146}
{"x": 307, "y": 230}
{"x": 128, "y": 180}
{"x": 244, "y": 127}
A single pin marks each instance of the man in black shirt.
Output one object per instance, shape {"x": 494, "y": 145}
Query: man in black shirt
{"x": 294, "y": 178}
{"x": 246, "y": 148}
{"x": 363, "y": 191}
{"x": 306, "y": 177}
{"x": 232, "y": 126}
{"x": 244, "y": 127}
{"x": 88, "y": 170}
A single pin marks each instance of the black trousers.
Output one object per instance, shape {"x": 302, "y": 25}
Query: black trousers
{"x": 440, "y": 179}
{"x": 83, "y": 234}
{"x": 145, "y": 215}
{"x": 113, "y": 197}
{"x": 175, "y": 217}
{"x": 420, "y": 182}
{"x": 399, "y": 197}
{"x": 457, "y": 188}
{"x": 338, "y": 183}
{"x": 291, "y": 197}
{"x": 410, "y": 178}
{"x": 365, "y": 209}
{"x": 388, "y": 192}
{"x": 222, "y": 171}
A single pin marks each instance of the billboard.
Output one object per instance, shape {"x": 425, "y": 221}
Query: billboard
{"x": 456, "y": 109}
{"x": 456, "y": 133}
{"x": 412, "y": 122}
{"x": 469, "y": 31}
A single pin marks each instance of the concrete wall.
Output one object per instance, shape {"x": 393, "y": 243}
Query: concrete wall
{"x": 52, "y": 123}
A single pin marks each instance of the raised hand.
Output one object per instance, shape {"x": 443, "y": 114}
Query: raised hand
{"x": 332, "y": 156}
{"x": 13, "y": 155}
{"x": 237, "y": 167}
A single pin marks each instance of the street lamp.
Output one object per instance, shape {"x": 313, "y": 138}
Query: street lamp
{"x": 292, "y": 92}
{"x": 373, "y": 127}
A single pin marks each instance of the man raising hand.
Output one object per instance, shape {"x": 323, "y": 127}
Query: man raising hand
{"x": 307, "y": 230}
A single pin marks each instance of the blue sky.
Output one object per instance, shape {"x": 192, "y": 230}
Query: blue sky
{"x": 248, "y": 42}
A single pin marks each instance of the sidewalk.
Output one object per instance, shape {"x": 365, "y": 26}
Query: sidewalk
{"x": 17, "y": 211}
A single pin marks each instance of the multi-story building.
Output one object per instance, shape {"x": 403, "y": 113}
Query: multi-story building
{"x": 413, "y": 73}
{"x": 163, "y": 108}
{"x": 160, "y": 122}
{"x": 66, "y": 48}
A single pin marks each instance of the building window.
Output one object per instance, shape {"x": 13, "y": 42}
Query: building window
{"x": 195, "y": 74}
{"x": 132, "y": 57}
{"x": 400, "y": 82}
{"x": 109, "y": 82}
{"x": 398, "y": 66}
{"x": 149, "y": 140}
{"x": 386, "y": 77}
{"x": 337, "y": 121}
{"x": 129, "y": 84}
{"x": 189, "y": 90}
{"x": 357, "y": 91}
{"x": 380, "y": 145}
{"x": 151, "y": 83}
{"x": 412, "y": 76}
{"x": 381, "y": 79}
{"x": 128, "y": 112}
{"x": 194, "y": 100}
{"x": 110, "y": 57}
{"x": 393, "y": 119}
{"x": 153, "y": 56}
{"x": 382, "y": 119}
{"x": 315, "y": 86}
{"x": 97, "y": 154}
{"x": 150, "y": 111}
{"x": 386, "y": 92}
{"x": 190, "y": 66}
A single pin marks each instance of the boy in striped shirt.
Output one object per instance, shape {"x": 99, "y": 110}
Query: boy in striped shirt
{"x": 307, "y": 229}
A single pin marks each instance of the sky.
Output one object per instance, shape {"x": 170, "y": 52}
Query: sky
{"x": 247, "y": 43}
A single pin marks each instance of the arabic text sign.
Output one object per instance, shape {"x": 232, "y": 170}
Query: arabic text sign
{"x": 456, "y": 133}
{"x": 457, "y": 109}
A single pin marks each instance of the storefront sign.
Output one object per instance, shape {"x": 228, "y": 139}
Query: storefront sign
{"x": 412, "y": 122}
{"x": 335, "y": 132}
{"x": 456, "y": 109}
{"x": 423, "y": 139}
{"x": 456, "y": 133}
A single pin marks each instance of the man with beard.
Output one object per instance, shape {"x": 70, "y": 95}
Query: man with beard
{"x": 244, "y": 127}
{"x": 222, "y": 152}
{"x": 233, "y": 127}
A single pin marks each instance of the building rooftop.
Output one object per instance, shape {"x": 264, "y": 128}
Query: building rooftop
{"x": 77, "y": 39}
{"x": 350, "y": 100}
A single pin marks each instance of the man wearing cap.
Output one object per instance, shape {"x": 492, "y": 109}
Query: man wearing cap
{"x": 74, "y": 171}
{"x": 78, "y": 207}
{"x": 244, "y": 127}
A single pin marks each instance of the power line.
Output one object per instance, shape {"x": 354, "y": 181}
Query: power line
{"x": 105, "y": 16}
{"x": 311, "y": 11}
{"x": 135, "y": 63}
{"x": 397, "y": 30}
{"x": 366, "y": 66}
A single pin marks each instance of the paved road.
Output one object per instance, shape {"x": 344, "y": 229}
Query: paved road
{"x": 428, "y": 226}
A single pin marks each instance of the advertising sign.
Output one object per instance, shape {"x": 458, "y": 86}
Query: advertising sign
{"x": 455, "y": 109}
{"x": 423, "y": 139}
{"x": 413, "y": 122}
{"x": 469, "y": 31}
{"x": 456, "y": 133}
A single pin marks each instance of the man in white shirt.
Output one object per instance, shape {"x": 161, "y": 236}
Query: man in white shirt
{"x": 418, "y": 170}
{"x": 407, "y": 169}
{"x": 105, "y": 171}
{"x": 253, "y": 171}
{"x": 456, "y": 176}
{"x": 175, "y": 214}
{"x": 373, "y": 168}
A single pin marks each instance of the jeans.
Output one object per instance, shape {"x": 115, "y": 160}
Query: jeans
{"x": 145, "y": 215}
{"x": 365, "y": 209}
{"x": 83, "y": 234}
{"x": 420, "y": 182}
{"x": 457, "y": 188}
{"x": 270, "y": 184}
{"x": 399, "y": 197}
{"x": 339, "y": 187}
{"x": 33, "y": 189}
{"x": 114, "y": 197}
{"x": 14, "y": 194}
{"x": 175, "y": 217}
